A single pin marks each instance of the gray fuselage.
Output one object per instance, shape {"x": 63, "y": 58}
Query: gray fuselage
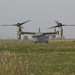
{"x": 40, "y": 38}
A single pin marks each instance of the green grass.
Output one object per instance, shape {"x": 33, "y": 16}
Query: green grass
{"x": 27, "y": 58}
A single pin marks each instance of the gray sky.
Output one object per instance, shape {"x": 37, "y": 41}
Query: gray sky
{"x": 42, "y": 13}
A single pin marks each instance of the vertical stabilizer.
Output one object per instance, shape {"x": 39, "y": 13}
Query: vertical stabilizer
{"x": 55, "y": 29}
{"x": 39, "y": 29}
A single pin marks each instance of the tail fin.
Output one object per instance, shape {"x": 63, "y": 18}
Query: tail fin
{"x": 39, "y": 30}
{"x": 55, "y": 29}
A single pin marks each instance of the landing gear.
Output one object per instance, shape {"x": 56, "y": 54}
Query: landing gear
{"x": 35, "y": 42}
{"x": 47, "y": 42}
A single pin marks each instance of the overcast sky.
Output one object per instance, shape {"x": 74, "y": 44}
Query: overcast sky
{"x": 42, "y": 13}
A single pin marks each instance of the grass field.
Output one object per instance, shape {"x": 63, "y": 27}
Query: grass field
{"x": 26, "y": 58}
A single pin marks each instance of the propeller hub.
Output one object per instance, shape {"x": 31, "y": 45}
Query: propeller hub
{"x": 59, "y": 24}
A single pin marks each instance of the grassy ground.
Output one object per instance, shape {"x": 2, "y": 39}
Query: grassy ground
{"x": 27, "y": 58}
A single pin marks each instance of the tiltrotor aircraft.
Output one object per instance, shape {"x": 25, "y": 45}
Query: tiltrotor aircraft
{"x": 40, "y": 36}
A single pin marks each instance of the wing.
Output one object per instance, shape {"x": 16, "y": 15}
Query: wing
{"x": 50, "y": 33}
{"x": 28, "y": 33}
{"x": 44, "y": 33}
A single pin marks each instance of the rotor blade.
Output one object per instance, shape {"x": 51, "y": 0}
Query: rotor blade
{"x": 57, "y": 22}
{"x": 68, "y": 25}
{"x": 10, "y": 25}
{"x": 64, "y": 25}
{"x": 52, "y": 27}
{"x": 24, "y": 22}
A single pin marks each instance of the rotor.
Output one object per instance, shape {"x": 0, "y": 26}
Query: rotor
{"x": 59, "y": 25}
{"x": 18, "y": 24}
